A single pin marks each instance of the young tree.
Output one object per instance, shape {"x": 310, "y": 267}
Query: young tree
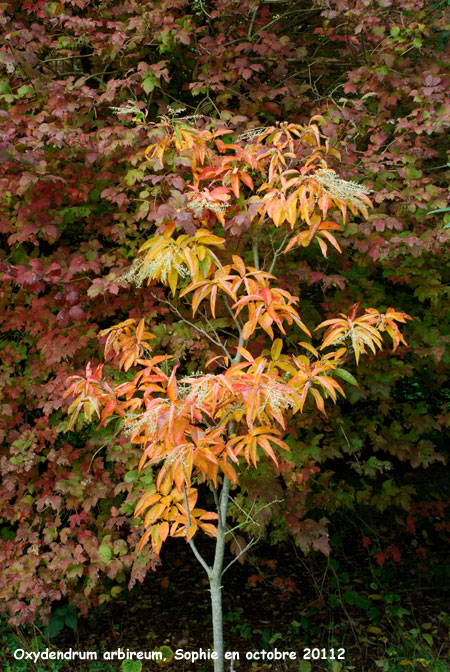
{"x": 236, "y": 206}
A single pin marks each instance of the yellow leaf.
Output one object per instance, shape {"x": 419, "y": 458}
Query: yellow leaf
{"x": 147, "y": 500}
{"x": 128, "y": 361}
{"x": 276, "y": 349}
{"x": 204, "y": 237}
{"x": 164, "y": 530}
{"x": 248, "y": 330}
{"x": 140, "y": 329}
{"x": 210, "y": 530}
{"x": 309, "y": 347}
{"x": 191, "y": 531}
{"x": 374, "y": 630}
{"x": 173, "y": 280}
{"x": 201, "y": 252}
{"x": 153, "y": 514}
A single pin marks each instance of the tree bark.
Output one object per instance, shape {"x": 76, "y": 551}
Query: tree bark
{"x": 215, "y": 578}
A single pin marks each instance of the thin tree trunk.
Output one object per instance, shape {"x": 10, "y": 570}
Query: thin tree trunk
{"x": 217, "y": 618}
{"x": 215, "y": 579}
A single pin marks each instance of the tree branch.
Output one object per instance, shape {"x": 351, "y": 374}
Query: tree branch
{"x": 237, "y": 357}
{"x": 191, "y": 324}
{"x": 248, "y": 514}
{"x": 252, "y": 22}
{"x": 278, "y": 252}
{"x": 252, "y": 542}
{"x": 213, "y": 329}
{"x": 256, "y": 252}
{"x": 191, "y": 542}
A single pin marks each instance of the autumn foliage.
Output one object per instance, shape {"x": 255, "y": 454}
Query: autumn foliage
{"x": 83, "y": 187}
{"x": 205, "y": 427}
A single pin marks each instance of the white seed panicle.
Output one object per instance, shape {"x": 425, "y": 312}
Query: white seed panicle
{"x": 333, "y": 186}
{"x": 159, "y": 267}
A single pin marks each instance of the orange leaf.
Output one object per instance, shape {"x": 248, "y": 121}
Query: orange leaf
{"x": 228, "y": 470}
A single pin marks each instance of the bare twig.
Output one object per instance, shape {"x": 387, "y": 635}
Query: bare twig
{"x": 191, "y": 324}
{"x": 241, "y": 343}
{"x": 248, "y": 514}
{"x": 230, "y": 310}
{"x": 252, "y": 542}
{"x": 252, "y": 22}
{"x": 256, "y": 251}
{"x": 278, "y": 252}
{"x": 213, "y": 329}
{"x": 216, "y": 496}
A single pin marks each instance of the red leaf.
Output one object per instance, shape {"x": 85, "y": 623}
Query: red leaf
{"x": 77, "y": 313}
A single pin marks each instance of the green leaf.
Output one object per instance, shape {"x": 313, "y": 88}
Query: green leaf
{"x": 399, "y": 611}
{"x": 131, "y": 476}
{"x": 149, "y": 83}
{"x": 105, "y": 552}
{"x": 428, "y": 638}
{"x": 204, "y": 265}
{"x": 345, "y": 375}
{"x": 24, "y": 89}
{"x": 167, "y": 653}
{"x": 55, "y": 625}
{"x": 388, "y": 487}
{"x": 432, "y": 212}
{"x": 133, "y": 176}
{"x": 74, "y": 213}
{"x": 71, "y": 620}
{"x": 4, "y": 87}
{"x": 335, "y": 666}
{"x": 413, "y": 173}
{"x": 131, "y": 666}
{"x": 74, "y": 570}
{"x": 7, "y": 534}
{"x": 352, "y": 597}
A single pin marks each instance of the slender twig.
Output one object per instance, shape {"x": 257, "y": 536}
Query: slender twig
{"x": 277, "y": 19}
{"x": 191, "y": 542}
{"x": 252, "y": 22}
{"x": 236, "y": 407}
{"x": 256, "y": 251}
{"x": 230, "y": 310}
{"x": 238, "y": 356}
{"x": 65, "y": 58}
{"x": 248, "y": 514}
{"x": 223, "y": 501}
{"x": 241, "y": 343}
{"x": 342, "y": 604}
{"x": 278, "y": 252}
{"x": 191, "y": 324}
{"x": 213, "y": 329}
{"x": 252, "y": 542}
{"x": 204, "y": 10}
{"x": 216, "y": 495}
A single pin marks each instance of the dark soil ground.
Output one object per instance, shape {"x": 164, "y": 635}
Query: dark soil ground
{"x": 278, "y": 600}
